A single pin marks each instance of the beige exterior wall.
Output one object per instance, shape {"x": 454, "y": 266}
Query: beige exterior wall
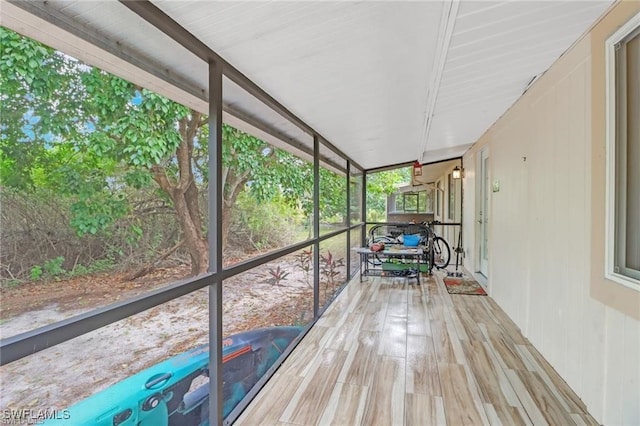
{"x": 547, "y": 227}
{"x": 620, "y": 297}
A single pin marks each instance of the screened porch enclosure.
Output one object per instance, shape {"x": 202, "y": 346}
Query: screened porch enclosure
{"x": 337, "y": 93}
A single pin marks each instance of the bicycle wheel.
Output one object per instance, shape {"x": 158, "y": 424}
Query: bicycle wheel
{"x": 430, "y": 257}
{"x": 441, "y": 253}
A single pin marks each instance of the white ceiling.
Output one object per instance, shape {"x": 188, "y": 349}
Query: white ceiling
{"x": 386, "y": 82}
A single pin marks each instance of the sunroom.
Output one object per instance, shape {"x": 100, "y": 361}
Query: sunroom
{"x": 304, "y": 109}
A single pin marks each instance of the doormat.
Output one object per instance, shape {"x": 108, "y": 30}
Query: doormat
{"x": 457, "y": 285}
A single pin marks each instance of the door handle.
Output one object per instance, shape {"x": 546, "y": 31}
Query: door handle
{"x": 157, "y": 381}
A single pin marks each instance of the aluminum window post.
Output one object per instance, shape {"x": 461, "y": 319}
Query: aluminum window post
{"x": 348, "y": 239}
{"x": 316, "y": 226}
{"x": 215, "y": 242}
{"x": 363, "y": 207}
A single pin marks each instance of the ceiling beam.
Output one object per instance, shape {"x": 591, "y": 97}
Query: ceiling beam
{"x": 390, "y": 167}
{"x": 445, "y": 33}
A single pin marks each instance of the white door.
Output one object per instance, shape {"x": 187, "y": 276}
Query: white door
{"x": 483, "y": 212}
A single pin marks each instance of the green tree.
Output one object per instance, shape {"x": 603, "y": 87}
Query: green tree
{"x": 333, "y": 195}
{"x": 88, "y": 134}
{"x": 382, "y": 184}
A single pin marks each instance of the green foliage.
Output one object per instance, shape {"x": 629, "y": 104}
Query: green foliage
{"x": 333, "y": 197}
{"x": 268, "y": 224}
{"x": 243, "y": 153}
{"x": 278, "y": 174}
{"x": 36, "y": 273}
{"x": 138, "y": 178}
{"x": 379, "y": 186}
{"x": 94, "y": 139}
{"x": 150, "y": 130}
{"x": 100, "y": 265}
{"x": 53, "y": 267}
{"x": 134, "y": 235}
{"x": 95, "y": 214}
{"x": 271, "y": 172}
{"x": 33, "y": 79}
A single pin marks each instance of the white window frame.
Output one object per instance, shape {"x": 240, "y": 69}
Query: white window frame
{"x": 610, "y": 233}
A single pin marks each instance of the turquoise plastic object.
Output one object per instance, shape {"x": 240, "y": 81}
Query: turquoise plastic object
{"x": 163, "y": 395}
{"x": 411, "y": 240}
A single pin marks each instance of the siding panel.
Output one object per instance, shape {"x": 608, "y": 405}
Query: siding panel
{"x": 577, "y": 209}
{"x": 615, "y": 357}
{"x": 545, "y": 235}
{"x": 631, "y": 379}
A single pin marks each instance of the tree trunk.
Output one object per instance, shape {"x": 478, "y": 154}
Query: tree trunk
{"x": 226, "y": 224}
{"x": 197, "y": 246}
{"x": 185, "y": 203}
{"x": 184, "y": 194}
{"x": 183, "y": 191}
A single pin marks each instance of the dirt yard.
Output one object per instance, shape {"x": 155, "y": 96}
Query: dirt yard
{"x": 66, "y": 373}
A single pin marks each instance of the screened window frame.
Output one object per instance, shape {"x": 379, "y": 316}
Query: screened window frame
{"x": 399, "y": 203}
{"x": 411, "y": 202}
{"x": 617, "y": 210}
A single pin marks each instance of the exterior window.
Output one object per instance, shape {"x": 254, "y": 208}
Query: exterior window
{"x": 399, "y": 203}
{"x": 623, "y": 155}
{"x": 425, "y": 201}
{"x": 412, "y": 202}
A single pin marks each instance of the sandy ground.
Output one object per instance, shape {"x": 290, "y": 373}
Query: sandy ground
{"x": 64, "y": 374}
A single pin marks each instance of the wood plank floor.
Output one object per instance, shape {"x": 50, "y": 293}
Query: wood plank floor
{"x": 388, "y": 352}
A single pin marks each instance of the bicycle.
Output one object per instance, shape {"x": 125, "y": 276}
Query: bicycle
{"x": 391, "y": 234}
{"x": 438, "y": 251}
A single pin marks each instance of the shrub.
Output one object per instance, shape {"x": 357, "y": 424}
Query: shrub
{"x": 53, "y": 267}
{"x": 263, "y": 225}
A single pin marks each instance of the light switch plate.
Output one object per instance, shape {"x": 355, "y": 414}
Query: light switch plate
{"x": 496, "y": 185}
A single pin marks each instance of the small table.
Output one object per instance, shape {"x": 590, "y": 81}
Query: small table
{"x": 367, "y": 256}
